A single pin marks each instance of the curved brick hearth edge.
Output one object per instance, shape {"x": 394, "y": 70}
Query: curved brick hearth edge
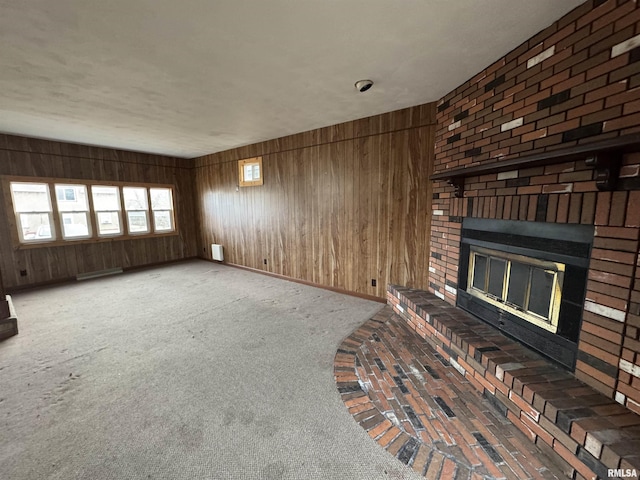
{"x": 433, "y": 386}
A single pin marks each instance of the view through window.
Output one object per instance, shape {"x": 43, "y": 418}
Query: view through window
{"x": 48, "y": 211}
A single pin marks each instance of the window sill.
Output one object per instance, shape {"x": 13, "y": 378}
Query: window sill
{"x": 84, "y": 241}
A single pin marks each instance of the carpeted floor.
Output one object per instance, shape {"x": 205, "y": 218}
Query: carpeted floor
{"x": 189, "y": 371}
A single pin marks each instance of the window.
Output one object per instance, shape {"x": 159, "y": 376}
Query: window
{"x": 136, "y": 205}
{"x": 32, "y": 207}
{"x": 524, "y": 286}
{"x": 250, "y": 172}
{"x": 66, "y": 194}
{"x": 55, "y": 212}
{"x": 162, "y": 207}
{"x": 106, "y": 204}
{"x": 74, "y": 211}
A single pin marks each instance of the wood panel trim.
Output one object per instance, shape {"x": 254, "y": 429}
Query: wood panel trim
{"x": 62, "y": 281}
{"x": 83, "y": 181}
{"x": 174, "y": 160}
{"x": 303, "y": 147}
{"x": 303, "y": 282}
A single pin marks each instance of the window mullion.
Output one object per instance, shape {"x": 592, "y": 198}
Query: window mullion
{"x": 55, "y": 213}
{"x": 150, "y": 221}
{"x": 125, "y": 217}
{"x": 505, "y": 281}
{"x": 93, "y": 221}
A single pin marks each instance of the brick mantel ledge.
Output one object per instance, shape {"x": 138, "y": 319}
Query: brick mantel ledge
{"x": 562, "y": 415}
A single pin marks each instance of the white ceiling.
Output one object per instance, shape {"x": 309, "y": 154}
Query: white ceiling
{"x": 191, "y": 77}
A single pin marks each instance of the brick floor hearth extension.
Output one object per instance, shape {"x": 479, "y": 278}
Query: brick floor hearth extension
{"x": 446, "y": 421}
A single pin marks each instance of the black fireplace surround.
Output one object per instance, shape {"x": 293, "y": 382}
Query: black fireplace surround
{"x": 567, "y": 244}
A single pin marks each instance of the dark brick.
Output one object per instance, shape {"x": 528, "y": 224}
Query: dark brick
{"x": 350, "y": 389}
{"x": 473, "y": 152}
{"x": 602, "y": 366}
{"x": 413, "y": 418}
{"x": 518, "y": 182}
{"x": 494, "y": 83}
{"x": 400, "y": 371}
{"x": 496, "y": 403}
{"x": 634, "y": 55}
{"x": 445, "y": 408}
{"x": 462, "y": 115}
{"x": 403, "y": 388}
{"x": 566, "y": 417}
{"x": 541, "y": 208}
{"x": 593, "y": 463}
{"x": 486, "y": 446}
{"x": 554, "y": 99}
{"x": 444, "y": 105}
{"x": 408, "y": 450}
{"x": 582, "y": 132}
{"x": 437, "y": 256}
{"x": 453, "y": 138}
{"x": 380, "y": 364}
{"x": 432, "y": 372}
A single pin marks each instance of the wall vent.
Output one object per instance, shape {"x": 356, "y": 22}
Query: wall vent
{"x": 216, "y": 252}
{"x": 100, "y": 273}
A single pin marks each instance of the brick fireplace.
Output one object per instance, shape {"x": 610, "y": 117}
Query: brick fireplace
{"x": 548, "y": 135}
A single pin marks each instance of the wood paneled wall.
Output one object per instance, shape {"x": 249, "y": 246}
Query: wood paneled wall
{"x": 340, "y": 205}
{"x": 22, "y": 156}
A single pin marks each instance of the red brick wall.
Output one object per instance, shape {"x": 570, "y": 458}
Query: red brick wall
{"x": 577, "y": 81}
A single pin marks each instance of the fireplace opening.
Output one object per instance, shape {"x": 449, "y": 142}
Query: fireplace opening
{"x": 527, "y": 279}
{"x": 523, "y": 286}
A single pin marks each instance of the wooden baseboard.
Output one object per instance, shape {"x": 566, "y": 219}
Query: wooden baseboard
{"x": 61, "y": 281}
{"x": 303, "y": 282}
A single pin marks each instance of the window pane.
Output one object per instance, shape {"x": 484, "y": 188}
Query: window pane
{"x": 138, "y": 222}
{"x": 161, "y": 199}
{"x": 105, "y": 198}
{"x": 35, "y": 226}
{"x": 518, "y": 281}
{"x": 256, "y": 171}
{"x": 109, "y": 223}
{"x": 248, "y": 173}
{"x": 72, "y": 198}
{"x": 75, "y": 225}
{"x": 496, "y": 276}
{"x": 135, "y": 198}
{"x": 541, "y": 289}
{"x": 479, "y": 272}
{"x": 162, "y": 221}
{"x": 30, "y": 197}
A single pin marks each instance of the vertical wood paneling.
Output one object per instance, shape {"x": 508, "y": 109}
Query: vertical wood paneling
{"x": 340, "y": 206}
{"x": 22, "y": 156}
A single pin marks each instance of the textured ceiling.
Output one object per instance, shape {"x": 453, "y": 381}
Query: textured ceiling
{"x": 192, "y": 77}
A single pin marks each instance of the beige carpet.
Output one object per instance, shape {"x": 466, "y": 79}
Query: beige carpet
{"x": 189, "y": 371}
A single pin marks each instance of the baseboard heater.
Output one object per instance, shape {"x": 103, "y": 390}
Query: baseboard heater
{"x": 216, "y": 252}
{"x": 100, "y": 273}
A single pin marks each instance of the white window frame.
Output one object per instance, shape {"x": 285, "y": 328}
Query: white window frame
{"x": 61, "y": 213}
{"x": 56, "y": 221}
{"x": 145, "y": 212}
{"x": 169, "y": 211}
{"x": 49, "y": 213}
{"x": 118, "y": 212}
